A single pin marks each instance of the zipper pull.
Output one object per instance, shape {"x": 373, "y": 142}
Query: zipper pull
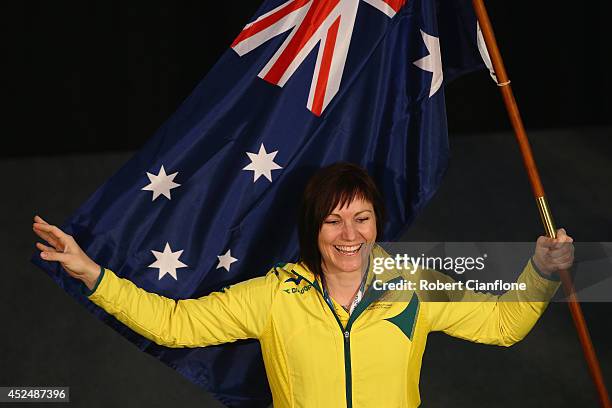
{"x": 346, "y": 336}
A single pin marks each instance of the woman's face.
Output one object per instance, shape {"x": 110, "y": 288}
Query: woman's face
{"x": 343, "y": 236}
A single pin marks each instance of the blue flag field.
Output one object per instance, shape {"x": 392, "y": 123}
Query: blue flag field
{"x": 211, "y": 199}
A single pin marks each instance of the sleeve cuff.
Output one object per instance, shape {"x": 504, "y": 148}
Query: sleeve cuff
{"x": 552, "y": 277}
{"x": 85, "y": 290}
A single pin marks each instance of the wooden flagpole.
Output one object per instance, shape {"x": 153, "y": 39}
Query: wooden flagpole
{"x": 538, "y": 191}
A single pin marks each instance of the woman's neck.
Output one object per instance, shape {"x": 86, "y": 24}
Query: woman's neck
{"x": 342, "y": 286}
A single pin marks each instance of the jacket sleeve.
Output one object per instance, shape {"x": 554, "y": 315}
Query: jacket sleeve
{"x": 486, "y": 318}
{"x": 238, "y": 312}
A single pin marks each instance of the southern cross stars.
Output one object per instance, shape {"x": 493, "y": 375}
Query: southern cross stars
{"x": 262, "y": 163}
{"x": 226, "y": 260}
{"x": 433, "y": 62}
{"x": 167, "y": 262}
{"x": 161, "y": 184}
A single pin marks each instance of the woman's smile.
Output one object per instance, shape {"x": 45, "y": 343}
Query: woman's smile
{"x": 348, "y": 250}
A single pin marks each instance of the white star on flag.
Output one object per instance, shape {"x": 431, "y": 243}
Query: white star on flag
{"x": 484, "y": 53}
{"x": 167, "y": 262}
{"x": 433, "y": 62}
{"x": 226, "y": 260}
{"x": 262, "y": 163}
{"x": 161, "y": 184}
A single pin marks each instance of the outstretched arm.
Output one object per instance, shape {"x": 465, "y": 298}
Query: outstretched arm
{"x": 506, "y": 319}
{"x": 238, "y": 312}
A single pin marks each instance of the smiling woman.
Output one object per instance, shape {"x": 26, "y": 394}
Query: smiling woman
{"x": 340, "y": 215}
{"x": 324, "y": 305}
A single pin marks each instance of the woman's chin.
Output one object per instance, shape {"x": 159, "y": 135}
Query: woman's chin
{"x": 349, "y": 265}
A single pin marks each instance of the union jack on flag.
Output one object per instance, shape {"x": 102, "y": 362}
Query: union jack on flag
{"x": 211, "y": 199}
{"x": 328, "y": 24}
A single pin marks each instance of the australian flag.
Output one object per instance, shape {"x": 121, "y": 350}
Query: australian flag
{"x": 211, "y": 198}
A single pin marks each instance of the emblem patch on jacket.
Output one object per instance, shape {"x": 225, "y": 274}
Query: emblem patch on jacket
{"x": 406, "y": 319}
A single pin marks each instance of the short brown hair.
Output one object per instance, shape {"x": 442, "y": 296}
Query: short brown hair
{"x": 337, "y": 184}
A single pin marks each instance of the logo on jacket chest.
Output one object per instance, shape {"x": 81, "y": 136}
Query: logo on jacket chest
{"x": 298, "y": 290}
{"x": 297, "y": 280}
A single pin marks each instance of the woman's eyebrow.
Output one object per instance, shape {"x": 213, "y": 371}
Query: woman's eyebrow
{"x": 356, "y": 214}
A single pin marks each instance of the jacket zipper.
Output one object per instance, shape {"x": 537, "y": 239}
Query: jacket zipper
{"x": 347, "y": 344}
{"x": 346, "y": 332}
{"x": 347, "y": 367}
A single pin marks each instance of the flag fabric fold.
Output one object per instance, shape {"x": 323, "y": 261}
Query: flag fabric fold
{"x": 211, "y": 199}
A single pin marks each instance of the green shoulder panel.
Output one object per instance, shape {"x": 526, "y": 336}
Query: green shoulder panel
{"x": 406, "y": 319}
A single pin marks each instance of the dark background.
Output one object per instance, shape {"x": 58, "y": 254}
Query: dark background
{"x": 92, "y": 76}
{"x": 86, "y": 83}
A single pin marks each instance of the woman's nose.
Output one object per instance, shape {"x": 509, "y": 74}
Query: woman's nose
{"x": 348, "y": 231}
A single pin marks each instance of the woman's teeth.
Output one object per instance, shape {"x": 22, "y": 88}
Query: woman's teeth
{"x": 348, "y": 249}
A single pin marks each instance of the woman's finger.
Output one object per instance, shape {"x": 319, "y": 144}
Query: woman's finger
{"x": 55, "y": 256}
{"x": 44, "y": 248}
{"x": 560, "y": 252}
{"x": 568, "y": 260}
{"x": 545, "y": 242}
{"x": 561, "y": 243}
{"x": 51, "y": 229}
{"x": 562, "y": 237}
{"x": 47, "y": 237}
{"x": 565, "y": 266}
{"x": 55, "y": 232}
{"x": 37, "y": 218}
{"x": 563, "y": 262}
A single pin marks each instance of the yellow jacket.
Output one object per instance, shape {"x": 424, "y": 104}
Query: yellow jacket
{"x": 318, "y": 357}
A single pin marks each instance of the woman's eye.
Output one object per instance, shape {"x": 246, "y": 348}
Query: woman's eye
{"x": 363, "y": 219}
{"x": 332, "y": 222}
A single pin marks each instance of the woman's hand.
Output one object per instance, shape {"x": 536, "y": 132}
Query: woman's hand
{"x": 66, "y": 251}
{"x": 552, "y": 255}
